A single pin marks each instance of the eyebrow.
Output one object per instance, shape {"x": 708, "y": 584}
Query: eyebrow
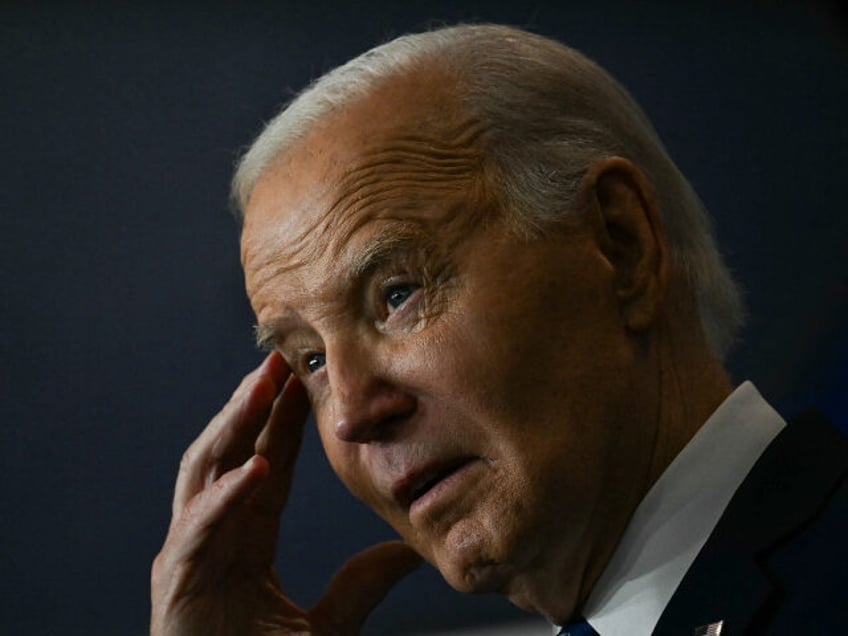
{"x": 380, "y": 250}
{"x": 384, "y": 247}
{"x": 267, "y": 334}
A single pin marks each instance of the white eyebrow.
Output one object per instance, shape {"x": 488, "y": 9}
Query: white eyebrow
{"x": 266, "y": 336}
{"x": 268, "y": 333}
{"x": 384, "y": 246}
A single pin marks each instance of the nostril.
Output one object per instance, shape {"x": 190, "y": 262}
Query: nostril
{"x": 376, "y": 419}
{"x": 364, "y": 431}
{"x": 346, "y": 430}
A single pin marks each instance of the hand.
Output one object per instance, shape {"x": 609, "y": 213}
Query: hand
{"x": 214, "y": 575}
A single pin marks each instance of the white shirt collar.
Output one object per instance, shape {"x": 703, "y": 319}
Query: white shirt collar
{"x": 680, "y": 511}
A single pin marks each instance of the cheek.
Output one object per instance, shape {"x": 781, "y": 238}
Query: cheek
{"x": 491, "y": 361}
{"x": 339, "y": 454}
{"x": 348, "y": 463}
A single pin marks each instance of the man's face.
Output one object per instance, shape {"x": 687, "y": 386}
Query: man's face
{"x": 473, "y": 388}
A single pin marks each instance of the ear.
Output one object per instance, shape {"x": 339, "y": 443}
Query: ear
{"x": 623, "y": 214}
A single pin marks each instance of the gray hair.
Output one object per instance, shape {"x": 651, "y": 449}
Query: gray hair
{"x": 550, "y": 114}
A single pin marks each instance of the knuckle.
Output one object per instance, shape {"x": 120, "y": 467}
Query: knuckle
{"x": 187, "y": 460}
{"x": 160, "y": 570}
{"x": 191, "y": 512}
{"x": 157, "y": 567}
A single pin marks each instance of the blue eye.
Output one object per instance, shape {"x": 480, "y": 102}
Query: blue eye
{"x": 398, "y": 294}
{"x": 314, "y": 361}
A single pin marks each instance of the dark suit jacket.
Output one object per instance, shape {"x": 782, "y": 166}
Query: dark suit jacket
{"x": 777, "y": 562}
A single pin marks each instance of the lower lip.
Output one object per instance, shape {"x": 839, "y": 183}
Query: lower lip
{"x": 442, "y": 489}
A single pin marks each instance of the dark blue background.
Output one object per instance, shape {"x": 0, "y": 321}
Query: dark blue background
{"x": 124, "y": 324}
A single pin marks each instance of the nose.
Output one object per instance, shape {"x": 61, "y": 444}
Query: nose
{"x": 367, "y": 404}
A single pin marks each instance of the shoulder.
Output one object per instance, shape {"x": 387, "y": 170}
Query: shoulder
{"x": 777, "y": 558}
{"x": 808, "y": 565}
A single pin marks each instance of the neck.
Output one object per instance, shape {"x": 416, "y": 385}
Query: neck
{"x": 691, "y": 384}
{"x": 681, "y": 383}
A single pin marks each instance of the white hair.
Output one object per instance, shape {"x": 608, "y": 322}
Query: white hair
{"x": 550, "y": 114}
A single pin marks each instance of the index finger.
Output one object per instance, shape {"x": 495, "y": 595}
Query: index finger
{"x": 229, "y": 438}
{"x": 280, "y": 442}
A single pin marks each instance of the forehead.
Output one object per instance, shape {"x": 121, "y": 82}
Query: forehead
{"x": 407, "y": 152}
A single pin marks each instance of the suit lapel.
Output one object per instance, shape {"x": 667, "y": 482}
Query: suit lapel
{"x": 786, "y": 487}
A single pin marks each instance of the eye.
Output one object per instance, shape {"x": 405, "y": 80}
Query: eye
{"x": 314, "y": 362}
{"x": 396, "y": 295}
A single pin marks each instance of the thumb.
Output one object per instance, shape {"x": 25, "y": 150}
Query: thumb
{"x": 360, "y": 584}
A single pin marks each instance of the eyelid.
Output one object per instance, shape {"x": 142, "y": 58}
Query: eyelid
{"x": 297, "y": 359}
{"x": 410, "y": 306}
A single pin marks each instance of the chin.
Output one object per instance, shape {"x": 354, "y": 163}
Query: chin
{"x": 475, "y": 578}
{"x": 470, "y": 561}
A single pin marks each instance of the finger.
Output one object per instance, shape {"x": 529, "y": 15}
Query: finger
{"x": 273, "y": 366}
{"x": 229, "y": 438}
{"x": 361, "y": 584}
{"x": 232, "y": 443}
{"x": 206, "y": 510}
{"x": 237, "y": 428}
{"x": 279, "y": 443}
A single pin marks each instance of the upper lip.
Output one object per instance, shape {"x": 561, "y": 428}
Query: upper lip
{"x": 419, "y": 480}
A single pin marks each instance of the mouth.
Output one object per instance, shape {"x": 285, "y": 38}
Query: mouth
{"x": 417, "y": 483}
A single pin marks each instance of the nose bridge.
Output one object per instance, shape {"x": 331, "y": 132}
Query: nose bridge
{"x": 366, "y": 400}
{"x": 352, "y": 370}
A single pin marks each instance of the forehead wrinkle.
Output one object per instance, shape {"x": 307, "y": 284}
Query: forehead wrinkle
{"x": 424, "y": 159}
{"x": 423, "y": 154}
{"x": 284, "y": 252}
{"x": 272, "y": 260}
{"x": 406, "y": 173}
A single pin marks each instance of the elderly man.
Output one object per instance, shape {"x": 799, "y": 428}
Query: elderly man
{"x": 470, "y": 254}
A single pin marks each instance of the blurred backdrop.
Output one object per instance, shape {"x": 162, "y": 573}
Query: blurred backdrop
{"x": 123, "y": 321}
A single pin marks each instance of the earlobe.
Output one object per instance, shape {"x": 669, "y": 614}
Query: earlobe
{"x": 629, "y": 234}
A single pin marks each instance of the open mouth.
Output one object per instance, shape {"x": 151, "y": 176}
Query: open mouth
{"x": 417, "y": 484}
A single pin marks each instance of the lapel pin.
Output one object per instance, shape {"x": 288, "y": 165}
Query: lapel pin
{"x": 713, "y": 629}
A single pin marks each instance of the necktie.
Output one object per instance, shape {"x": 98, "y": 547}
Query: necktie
{"x": 578, "y": 629}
